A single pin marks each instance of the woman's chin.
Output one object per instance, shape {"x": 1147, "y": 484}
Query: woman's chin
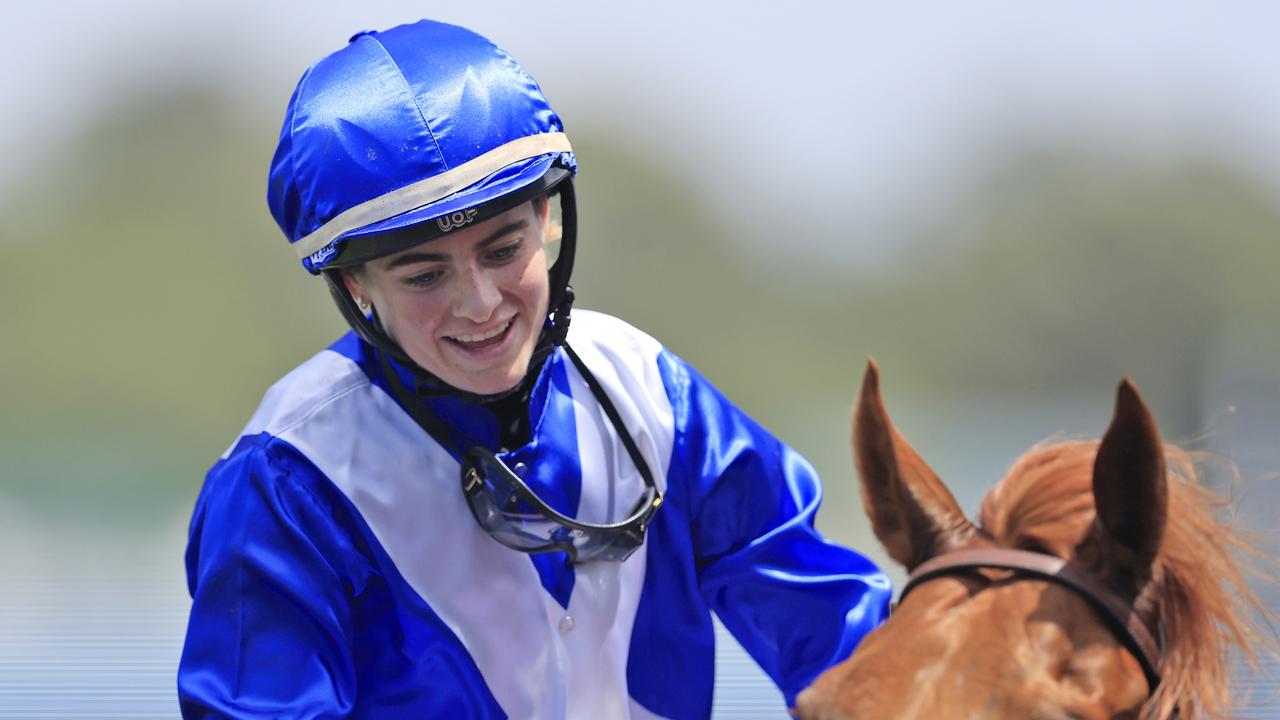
{"x": 489, "y": 381}
{"x": 495, "y": 387}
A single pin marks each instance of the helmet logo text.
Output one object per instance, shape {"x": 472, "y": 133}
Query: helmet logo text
{"x": 323, "y": 254}
{"x": 455, "y": 220}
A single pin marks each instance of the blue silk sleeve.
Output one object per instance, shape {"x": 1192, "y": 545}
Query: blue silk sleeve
{"x": 271, "y": 577}
{"x": 796, "y": 603}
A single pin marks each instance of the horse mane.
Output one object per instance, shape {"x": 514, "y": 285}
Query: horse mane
{"x": 1200, "y": 595}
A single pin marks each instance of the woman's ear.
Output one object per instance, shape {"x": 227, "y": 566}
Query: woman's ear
{"x": 351, "y": 280}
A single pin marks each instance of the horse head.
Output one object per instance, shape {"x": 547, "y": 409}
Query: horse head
{"x": 1058, "y": 638}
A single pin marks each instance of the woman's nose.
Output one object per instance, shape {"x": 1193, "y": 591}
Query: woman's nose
{"x": 476, "y": 295}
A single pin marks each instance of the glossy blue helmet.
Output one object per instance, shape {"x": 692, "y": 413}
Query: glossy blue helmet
{"x": 405, "y": 126}
{"x": 404, "y": 135}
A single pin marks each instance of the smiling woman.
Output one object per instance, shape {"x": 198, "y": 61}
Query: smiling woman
{"x": 470, "y": 309}
{"x": 467, "y": 506}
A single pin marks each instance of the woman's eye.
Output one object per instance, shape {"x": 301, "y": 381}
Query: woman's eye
{"x": 505, "y": 252}
{"x": 423, "y": 279}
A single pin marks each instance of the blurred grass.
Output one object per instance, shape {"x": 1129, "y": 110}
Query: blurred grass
{"x": 153, "y": 300}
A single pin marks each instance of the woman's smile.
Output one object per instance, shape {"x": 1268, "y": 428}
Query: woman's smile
{"x": 467, "y": 307}
{"x": 481, "y": 340}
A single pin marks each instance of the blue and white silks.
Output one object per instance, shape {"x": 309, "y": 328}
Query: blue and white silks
{"x": 336, "y": 570}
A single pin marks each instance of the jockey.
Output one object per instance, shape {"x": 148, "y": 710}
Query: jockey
{"x": 469, "y": 506}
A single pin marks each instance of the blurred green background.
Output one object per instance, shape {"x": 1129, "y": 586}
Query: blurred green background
{"x": 1010, "y": 209}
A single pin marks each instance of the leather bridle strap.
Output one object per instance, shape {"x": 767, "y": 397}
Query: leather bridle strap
{"x": 1119, "y": 614}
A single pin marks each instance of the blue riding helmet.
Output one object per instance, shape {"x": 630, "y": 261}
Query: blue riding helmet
{"x": 404, "y": 135}
{"x": 404, "y": 126}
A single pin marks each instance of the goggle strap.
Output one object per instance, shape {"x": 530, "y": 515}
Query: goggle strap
{"x": 603, "y": 398}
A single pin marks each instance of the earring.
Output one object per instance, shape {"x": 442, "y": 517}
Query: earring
{"x": 363, "y": 303}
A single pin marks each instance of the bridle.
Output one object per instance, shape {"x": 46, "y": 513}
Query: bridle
{"x": 1117, "y": 612}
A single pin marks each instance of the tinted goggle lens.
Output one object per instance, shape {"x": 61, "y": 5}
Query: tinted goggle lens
{"x": 516, "y": 517}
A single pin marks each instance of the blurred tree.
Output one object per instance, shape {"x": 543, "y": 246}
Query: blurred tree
{"x": 145, "y": 259}
{"x": 1069, "y": 271}
{"x": 157, "y": 299}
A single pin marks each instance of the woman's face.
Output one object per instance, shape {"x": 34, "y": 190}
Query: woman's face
{"x": 468, "y": 306}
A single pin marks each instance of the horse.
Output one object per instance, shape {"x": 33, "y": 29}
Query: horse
{"x": 1099, "y": 583}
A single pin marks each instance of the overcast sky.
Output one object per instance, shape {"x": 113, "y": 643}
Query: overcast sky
{"x": 777, "y": 107}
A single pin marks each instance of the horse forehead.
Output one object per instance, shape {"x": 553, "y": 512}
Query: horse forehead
{"x": 953, "y": 631}
{"x": 995, "y": 624}
{"x": 970, "y": 647}
{"x": 1012, "y": 632}
{"x": 961, "y": 598}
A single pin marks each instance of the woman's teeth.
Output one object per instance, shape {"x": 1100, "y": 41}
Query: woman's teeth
{"x": 482, "y": 337}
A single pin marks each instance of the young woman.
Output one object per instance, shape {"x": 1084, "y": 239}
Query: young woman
{"x": 468, "y": 506}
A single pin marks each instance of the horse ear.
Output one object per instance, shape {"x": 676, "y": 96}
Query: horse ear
{"x": 1130, "y": 491}
{"x": 913, "y": 514}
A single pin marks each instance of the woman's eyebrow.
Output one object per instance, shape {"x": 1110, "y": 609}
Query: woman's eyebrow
{"x": 503, "y": 231}
{"x": 417, "y": 257}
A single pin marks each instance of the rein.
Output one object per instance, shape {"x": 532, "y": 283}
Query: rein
{"x": 1118, "y": 613}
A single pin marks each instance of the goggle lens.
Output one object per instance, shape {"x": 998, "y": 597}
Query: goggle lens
{"x": 515, "y": 516}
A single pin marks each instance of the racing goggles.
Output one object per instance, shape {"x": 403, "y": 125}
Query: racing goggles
{"x": 513, "y": 514}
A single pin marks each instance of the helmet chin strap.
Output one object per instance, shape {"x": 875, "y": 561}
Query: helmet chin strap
{"x": 554, "y": 331}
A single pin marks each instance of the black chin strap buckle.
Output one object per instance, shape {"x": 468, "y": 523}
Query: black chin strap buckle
{"x": 560, "y": 322}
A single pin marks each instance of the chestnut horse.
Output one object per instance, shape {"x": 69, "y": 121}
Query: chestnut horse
{"x": 1125, "y": 544}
